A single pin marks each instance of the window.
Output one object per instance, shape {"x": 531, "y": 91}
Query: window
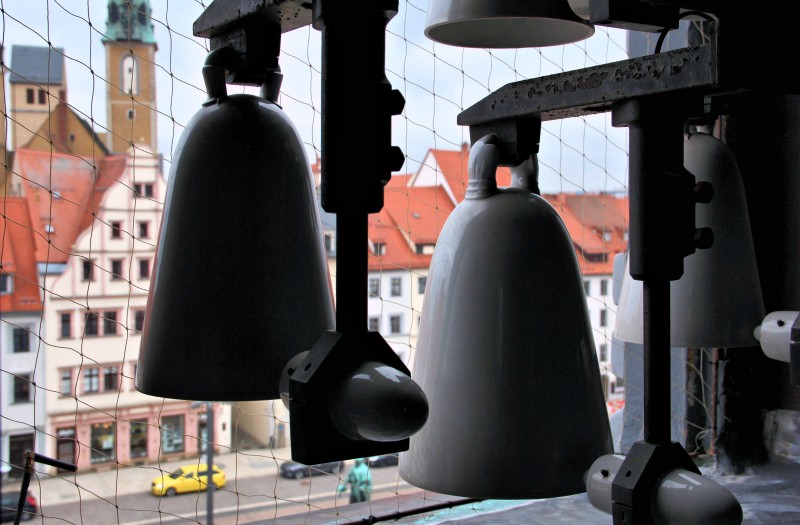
{"x": 138, "y": 439}
{"x": 374, "y": 324}
{"x": 172, "y": 434}
{"x": 110, "y": 323}
{"x": 424, "y": 249}
{"x": 422, "y": 282}
{"x": 144, "y": 229}
{"x": 374, "y": 287}
{"x": 144, "y": 268}
{"x": 29, "y": 96}
{"x": 130, "y": 75}
{"x": 131, "y": 114}
{"x": 138, "y": 320}
{"x": 379, "y": 248}
{"x": 397, "y": 283}
{"x": 604, "y": 287}
{"x": 91, "y": 326}
{"x": 394, "y": 324}
{"x": 6, "y": 283}
{"x": 22, "y": 340}
{"x": 91, "y": 380}
{"x": 110, "y": 379}
{"x": 42, "y": 97}
{"x": 103, "y": 442}
{"x": 145, "y": 190}
{"x": 116, "y": 230}
{"x": 65, "y": 386}
{"x": 603, "y": 352}
{"x": 66, "y": 325}
{"x": 116, "y": 269}
{"x": 606, "y": 235}
{"x": 22, "y": 388}
{"x": 586, "y": 287}
{"x": 603, "y": 317}
{"x": 329, "y": 244}
{"x": 87, "y": 270}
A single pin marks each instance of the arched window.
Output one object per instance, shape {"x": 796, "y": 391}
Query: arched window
{"x": 130, "y": 75}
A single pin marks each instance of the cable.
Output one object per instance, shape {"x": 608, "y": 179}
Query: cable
{"x": 663, "y": 34}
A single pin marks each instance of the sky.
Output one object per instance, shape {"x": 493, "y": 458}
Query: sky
{"x": 438, "y": 82}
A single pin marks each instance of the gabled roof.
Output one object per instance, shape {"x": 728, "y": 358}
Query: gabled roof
{"x": 36, "y": 65}
{"x": 63, "y": 192}
{"x": 410, "y": 216}
{"x": 67, "y": 132}
{"x": 453, "y": 165}
{"x": 18, "y": 257}
{"x": 597, "y": 222}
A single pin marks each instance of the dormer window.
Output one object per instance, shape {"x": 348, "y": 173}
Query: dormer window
{"x": 49, "y": 228}
{"x": 6, "y": 283}
{"x": 379, "y": 248}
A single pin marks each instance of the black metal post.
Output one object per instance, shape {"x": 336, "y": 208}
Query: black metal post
{"x": 662, "y": 232}
{"x": 210, "y": 463}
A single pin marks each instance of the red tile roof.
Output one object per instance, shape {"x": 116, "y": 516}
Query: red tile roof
{"x": 597, "y": 222}
{"x": 63, "y": 192}
{"x": 410, "y": 216}
{"x": 17, "y": 256}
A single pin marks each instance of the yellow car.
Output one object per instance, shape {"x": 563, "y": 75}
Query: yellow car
{"x": 188, "y": 478}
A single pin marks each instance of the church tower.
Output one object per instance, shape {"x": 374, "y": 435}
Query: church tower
{"x": 130, "y": 68}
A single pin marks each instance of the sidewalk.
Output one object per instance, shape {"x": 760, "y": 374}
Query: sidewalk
{"x": 129, "y": 479}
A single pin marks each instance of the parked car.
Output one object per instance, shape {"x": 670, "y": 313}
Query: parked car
{"x": 10, "y": 502}
{"x": 384, "y": 460}
{"x": 188, "y": 478}
{"x": 291, "y": 469}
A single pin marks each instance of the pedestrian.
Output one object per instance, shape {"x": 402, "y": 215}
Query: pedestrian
{"x": 359, "y": 478}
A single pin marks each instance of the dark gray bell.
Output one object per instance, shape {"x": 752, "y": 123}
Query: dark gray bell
{"x": 506, "y": 355}
{"x": 240, "y": 284}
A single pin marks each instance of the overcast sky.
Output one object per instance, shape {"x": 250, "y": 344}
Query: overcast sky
{"x": 438, "y": 82}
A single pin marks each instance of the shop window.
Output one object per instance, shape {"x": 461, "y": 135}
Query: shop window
{"x": 172, "y": 434}
{"x": 103, "y": 442}
{"x": 138, "y": 439}
{"x": 65, "y": 445}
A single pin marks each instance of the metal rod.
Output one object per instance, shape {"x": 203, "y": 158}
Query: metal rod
{"x": 657, "y": 410}
{"x": 210, "y": 463}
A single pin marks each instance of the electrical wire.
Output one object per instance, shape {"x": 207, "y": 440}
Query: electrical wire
{"x": 663, "y": 33}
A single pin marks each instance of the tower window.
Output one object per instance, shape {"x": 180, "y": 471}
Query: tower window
{"x": 129, "y": 80}
{"x": 131, "y": 114}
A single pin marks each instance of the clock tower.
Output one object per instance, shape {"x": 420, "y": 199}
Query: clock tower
{"x": 130, "y": 68}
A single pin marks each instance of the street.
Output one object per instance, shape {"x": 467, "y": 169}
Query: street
{"x": 242, "y": 500}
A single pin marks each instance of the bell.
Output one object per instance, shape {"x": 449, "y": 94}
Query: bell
{"x": 507, "y": 24}
{"x": 240, "y": 282}
{"x": 506, "y": 354}
{"x": 717, "y": 303}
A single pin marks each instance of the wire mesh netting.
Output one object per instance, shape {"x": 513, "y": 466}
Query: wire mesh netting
{"x": 96, "y": 96}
